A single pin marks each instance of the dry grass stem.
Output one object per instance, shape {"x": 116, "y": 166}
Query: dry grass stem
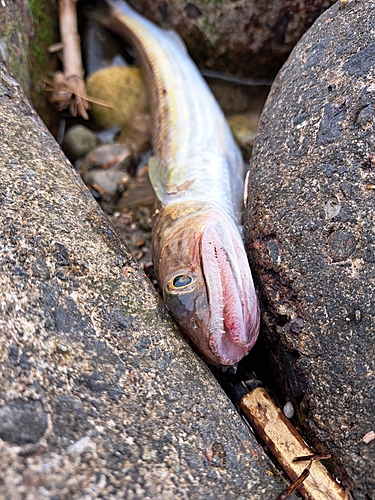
{"x": 68, "y": 88}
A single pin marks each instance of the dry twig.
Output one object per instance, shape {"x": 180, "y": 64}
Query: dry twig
{"x": 68, "y": 87}
{"x": 287, "y": 446}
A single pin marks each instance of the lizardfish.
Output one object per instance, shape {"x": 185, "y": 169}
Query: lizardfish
{"x": 197, "y": 174}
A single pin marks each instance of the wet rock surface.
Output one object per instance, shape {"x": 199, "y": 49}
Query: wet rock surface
{"x": 248, "y": 38}
{"x": 310, "y": 226}
{"x": 100, "y": 395}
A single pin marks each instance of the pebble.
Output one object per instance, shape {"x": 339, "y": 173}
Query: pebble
{"x": 105, "y": 169}
{"x": 123, "y": 89}
{"x": 78, "y": 141}
{"x": 244, "y": 127}
{"x": 288, "y": 410}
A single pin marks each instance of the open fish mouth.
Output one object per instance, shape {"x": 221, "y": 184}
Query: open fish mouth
{"x": 232, "y": 329}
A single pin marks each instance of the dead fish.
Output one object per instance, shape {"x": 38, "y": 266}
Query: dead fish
{"x": 197, "y": 174}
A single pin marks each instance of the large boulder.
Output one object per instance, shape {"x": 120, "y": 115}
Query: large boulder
{"x": 100, "y": 395}
{"x": 310, "y": 229}
{"x": 247, "y": 37}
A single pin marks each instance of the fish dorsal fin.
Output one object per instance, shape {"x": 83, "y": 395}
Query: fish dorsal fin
{"x": 158, "y": 174}
{"x": 176, "y": 38}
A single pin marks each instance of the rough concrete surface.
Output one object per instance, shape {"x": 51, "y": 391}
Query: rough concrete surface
{"x": 250, "y": 38}
{"x": 100, "y": 395}
{"x": 310, "y": 228}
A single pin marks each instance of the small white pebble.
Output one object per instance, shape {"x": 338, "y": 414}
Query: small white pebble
{"x": 288, "y": 410}
{"x": 368, "y": 437}
{"x": 80, "y": 445}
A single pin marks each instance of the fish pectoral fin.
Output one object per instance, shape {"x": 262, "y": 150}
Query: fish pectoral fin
{"x": 158, "y": 174}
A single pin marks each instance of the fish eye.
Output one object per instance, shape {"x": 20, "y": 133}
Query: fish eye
{"x": 180, "y": 282}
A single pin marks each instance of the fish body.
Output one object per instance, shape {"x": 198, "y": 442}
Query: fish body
{"x": 197, "y": 174}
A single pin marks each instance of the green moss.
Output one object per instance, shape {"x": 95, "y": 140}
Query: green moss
{"x": 41, "y": 64}
{"x": 17, "y": 42}
{"x": 44, "y": 23}
{"x": 28, "y": 27}
{"x": 209, "y": 17}
{"x": 44, "y": 20}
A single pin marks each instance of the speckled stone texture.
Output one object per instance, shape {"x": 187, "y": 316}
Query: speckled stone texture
{"x": 100, "y": 395}
{"x": 310, "y": 230}
{"x": 249, "y": 38}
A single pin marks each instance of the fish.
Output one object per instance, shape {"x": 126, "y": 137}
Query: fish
{"x": 197, "y": 174}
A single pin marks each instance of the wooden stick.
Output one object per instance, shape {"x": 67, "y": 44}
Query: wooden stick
{"x": 69, "y": 86}
{"x": 297, "y": 483}
{"x": 312, "y": 480}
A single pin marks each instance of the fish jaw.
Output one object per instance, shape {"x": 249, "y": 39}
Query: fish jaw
{"x": 234, "y": 312}
{"x": 218, "y": 310}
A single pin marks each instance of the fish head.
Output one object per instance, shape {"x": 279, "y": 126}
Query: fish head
{"x": 207, "y": 285}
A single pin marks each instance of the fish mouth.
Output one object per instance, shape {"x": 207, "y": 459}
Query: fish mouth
{"x": 234, "y": 321}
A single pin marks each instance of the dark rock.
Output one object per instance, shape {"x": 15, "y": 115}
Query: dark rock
{"x": 49, "y": 293}
{"x": 69, "y": 319}
{"x": 143, "y": 343}
{"x": 247, "y": 38}
{"x": 96, "y": 382}
{"x": 360, "y": 63}
{"x": 330, "y": 126}
{"x": 115, "y": 394}
{"x": 69, "y": 420}
{"x": 341, "y": 245}
{"x": 122, "y": 321}
{"x": 309, "y": 230}
{"x": 24, "y": 362}
{"x": 13, "y": 354}
{"x": 99, "y": 48}
{"x": 22, "y": 422}
{"x": 40, "y": 268}
{"x": 61, "y": 254}
{"x": 192, "y": 11}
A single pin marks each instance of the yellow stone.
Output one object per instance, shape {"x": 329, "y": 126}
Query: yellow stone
{"x": 123, "y": 88}
{"x": 244, "y": 127}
